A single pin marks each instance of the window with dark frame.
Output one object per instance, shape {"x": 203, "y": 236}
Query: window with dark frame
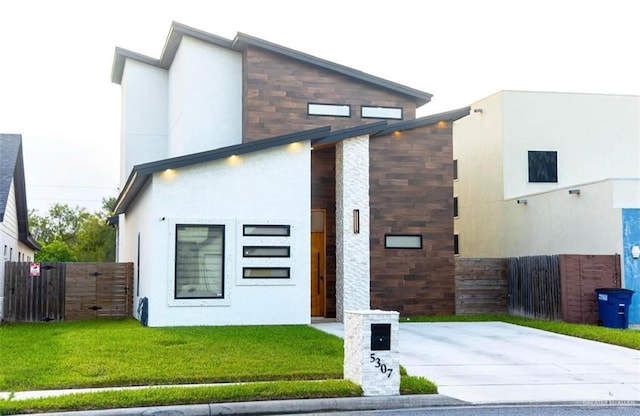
{"x": 199, "y": 262}
{"x": 456, "y": 244}
{"x": 455, "y": 207}
{"x": 331, "y": 110}
{"x": 266, "y": 251}
{"x": 403, "y": 241}
{"x": 266, "y": 272}
{"x": 455, "y": 169}
{"x": 385, "y": 113}
{"x": 543, "y": 166}
{"x": 268, "y": 230}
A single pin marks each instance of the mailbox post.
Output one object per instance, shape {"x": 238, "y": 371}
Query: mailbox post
{"x": 371, "y": 351}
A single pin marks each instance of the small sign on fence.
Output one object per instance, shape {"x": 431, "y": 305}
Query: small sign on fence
{"x": 34, "y": 269}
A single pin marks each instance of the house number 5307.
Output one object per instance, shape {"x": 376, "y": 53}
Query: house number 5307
{"x": 382, "y": 366}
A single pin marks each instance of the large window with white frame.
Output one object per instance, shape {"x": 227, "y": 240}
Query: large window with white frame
{"x": 199, "y": 262}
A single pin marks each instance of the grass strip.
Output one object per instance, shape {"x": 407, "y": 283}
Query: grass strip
{"x": 165, "y": 396}
{"x": 615, "y": 336}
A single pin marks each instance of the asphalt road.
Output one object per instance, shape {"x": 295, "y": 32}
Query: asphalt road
{"x": 560, "y": 410}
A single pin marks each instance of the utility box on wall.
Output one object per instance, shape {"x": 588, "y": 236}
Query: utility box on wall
{"x": 371, "y": 351}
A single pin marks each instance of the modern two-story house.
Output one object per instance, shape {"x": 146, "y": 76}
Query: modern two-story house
{"x": 543, "y": 173}
{"x": 263, "y": 185}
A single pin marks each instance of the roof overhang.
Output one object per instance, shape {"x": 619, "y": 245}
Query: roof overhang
{"x": 240, "y": 43}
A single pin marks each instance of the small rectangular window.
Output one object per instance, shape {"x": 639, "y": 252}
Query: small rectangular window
{"x": 455, "y": 169}
{"x": 266, "y": 272}
{"x": 403, "y": 241}
{"x": 456, "y": 244}
{"x": 455, "y": 207}
{"x": 543, "y": 167}
{"x": 391, "y": 113}
{"x": 336, "y": 110}
{"x": 266, "y": 251}
{"x": 266, "y": 230}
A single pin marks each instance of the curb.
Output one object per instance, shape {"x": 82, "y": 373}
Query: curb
{"x": 280, "y": 406}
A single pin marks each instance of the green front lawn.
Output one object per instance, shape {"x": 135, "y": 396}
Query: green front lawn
{"x": 123, "y": 353}
{"x": 271, "y": 362}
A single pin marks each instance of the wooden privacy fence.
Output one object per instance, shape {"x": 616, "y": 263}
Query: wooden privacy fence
{"x": 561, "y": 286}
{"x": 481, "y": 286}
{"x": 67, "y": 291}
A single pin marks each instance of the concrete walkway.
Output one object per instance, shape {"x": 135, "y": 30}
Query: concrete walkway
{"x": 496, "y": 362}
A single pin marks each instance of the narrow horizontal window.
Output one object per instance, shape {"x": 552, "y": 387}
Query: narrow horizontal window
{"x": 266, "y": 230}
{"x": 266, "y": 251}
{"x": 337, "y": 110}
{"x": 266, "y": 272}
{"x": 411, "y": 241}
{"x": 392, "y": 113}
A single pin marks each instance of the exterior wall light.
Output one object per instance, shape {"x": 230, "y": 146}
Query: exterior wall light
{"x": 522, "y": 201}
{"x": 574, "y": 191}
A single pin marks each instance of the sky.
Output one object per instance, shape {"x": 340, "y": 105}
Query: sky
{"x": 56, "y": 58}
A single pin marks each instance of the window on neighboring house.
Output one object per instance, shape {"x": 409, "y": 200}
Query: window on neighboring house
{"x": 455, "y": 169}
{"x": 456, "y": 244}
{"x": 391, "y": 113}
{"x": 336, "y": 110}
{"x": 455, "y": 206}
{"x": 199, "y": 261}
{"x": 543, "y": 166}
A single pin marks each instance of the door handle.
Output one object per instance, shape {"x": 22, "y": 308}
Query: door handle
{"x": 319, "y": 275}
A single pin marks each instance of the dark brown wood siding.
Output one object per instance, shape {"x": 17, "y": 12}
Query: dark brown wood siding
{"x": 277, "y": 89}
{"x": 411, "y": 192}
{"x": 323, "y": 196}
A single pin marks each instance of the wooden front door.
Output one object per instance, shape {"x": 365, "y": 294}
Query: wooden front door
{"x": 318, "y": 266}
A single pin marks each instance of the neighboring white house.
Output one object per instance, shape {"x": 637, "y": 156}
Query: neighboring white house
{"x": 550, "y": 173}
{"x": 15, "y": 241}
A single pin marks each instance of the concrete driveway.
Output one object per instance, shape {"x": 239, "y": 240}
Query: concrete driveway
{"x": 496, "y": 362}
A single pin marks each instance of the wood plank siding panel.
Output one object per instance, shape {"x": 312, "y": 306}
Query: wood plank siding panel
{"x": 276, "y": 91}
{"x": 411, "y": 192}
{"x": 323, "y": 196}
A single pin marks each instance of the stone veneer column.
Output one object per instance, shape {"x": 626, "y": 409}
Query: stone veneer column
{"x": 375, "y": 367}
{"x": 352, "y": 249}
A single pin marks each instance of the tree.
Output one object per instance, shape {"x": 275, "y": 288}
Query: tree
{"x": 73, "y": 234}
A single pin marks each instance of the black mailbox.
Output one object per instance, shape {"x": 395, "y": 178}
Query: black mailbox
{"x": 380, "y": 337}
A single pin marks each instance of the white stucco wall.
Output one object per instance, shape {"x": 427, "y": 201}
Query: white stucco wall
{"x": 597, "y": 138}
{"x": 557, "y": 222}
{"x": 477, "y": 146}
{"x": 352, "y": 249}
{"x": 143, "y": 136}
{"x": 266, "y": 187}
{"x": 205, "y": 98}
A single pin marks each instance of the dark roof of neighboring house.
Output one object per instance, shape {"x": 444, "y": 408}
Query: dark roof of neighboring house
{"x": 12, "y": 171}
{"x": 141, "y": 173}
{"x": 239, "y": 43}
